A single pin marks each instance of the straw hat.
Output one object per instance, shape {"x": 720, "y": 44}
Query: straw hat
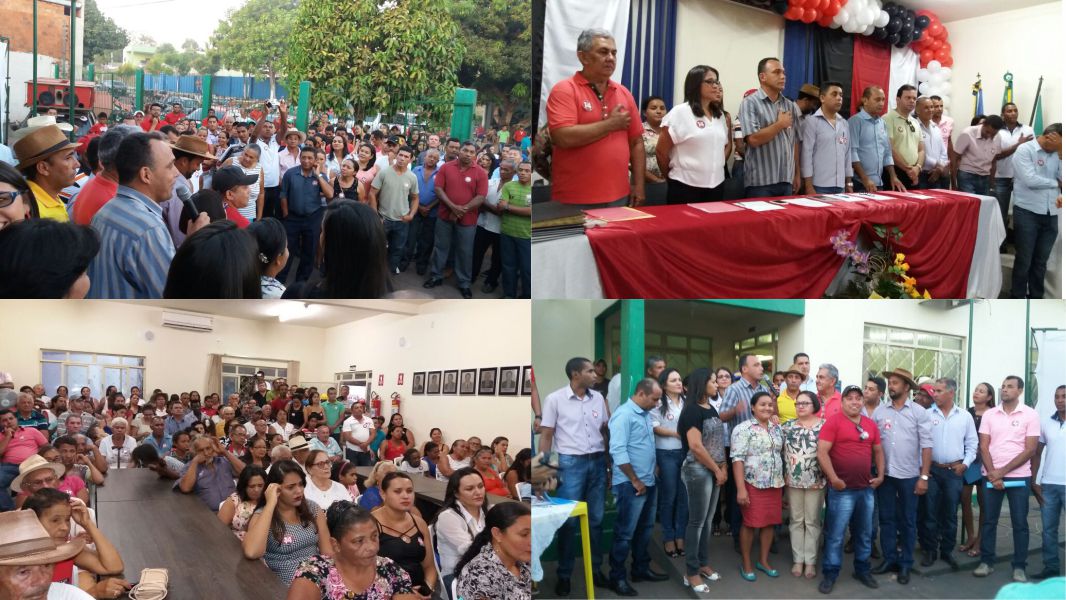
{"x": 39, "y": 143}
{"x": 297, "y": 443}
{"x": 190, "y": 144}
{"x": 903, "y": 374}
{"x": 35, "y": 462}
{"x": 794, "y": 369}
{"x": 26, "y": 542}
{"x": 303, "y": 136}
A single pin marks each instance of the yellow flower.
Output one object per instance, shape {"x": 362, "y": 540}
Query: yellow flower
{"x": 899, "y": 258}
{"x": 905, "y": 266}
{"x": 926, "y": 295}
{"x": 875, "y": 296}
{"x": 909, "y": 282}
{"x": 915, "y": 294}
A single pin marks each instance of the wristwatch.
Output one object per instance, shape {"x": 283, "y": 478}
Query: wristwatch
{"x": 924, "y": 478}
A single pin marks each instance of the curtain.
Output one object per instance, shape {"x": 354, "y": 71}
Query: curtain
{"x": 872, "y": 64}
{"x": 214, "y": 374}
{"x": 648, "y": 68}
{"x": 538, "y": 58}
{"x": 294, "y": 373}
{"x": 798, "y": 57}
{"x": 904, "y": 70}
{"x": 833, "y": 58}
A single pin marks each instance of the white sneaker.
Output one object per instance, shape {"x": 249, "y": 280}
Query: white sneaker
{"x": 982, "y": 570}
{"x": 1019, "y": 576}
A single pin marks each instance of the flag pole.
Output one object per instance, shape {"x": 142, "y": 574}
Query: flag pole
{"x": 1032, "y": 115}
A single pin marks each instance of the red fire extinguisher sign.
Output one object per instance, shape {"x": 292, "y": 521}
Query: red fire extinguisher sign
{"x": 399, "y": 379}
{"x": 381, "y": 379}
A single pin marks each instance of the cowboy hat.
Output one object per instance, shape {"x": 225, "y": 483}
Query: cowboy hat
{"x": 35, "y": 122}
{"x": 794, "y": 369}
{"x": 903, "y": 374}
{"x": 39, "y": 143}
{"x": 190, "y": 144}
{"x": 303, "y": 136}
{"x": 35, "y": 462}
{"x": 297, "y": 443}
{"x": 26, "y": 542}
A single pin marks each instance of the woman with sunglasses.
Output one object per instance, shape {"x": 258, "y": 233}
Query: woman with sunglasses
{"x": 14, "y": 197}
{"x": 322, "y": 490}
{"x": 805, "y": 483}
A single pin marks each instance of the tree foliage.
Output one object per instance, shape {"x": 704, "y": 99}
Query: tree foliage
{"x": 102, "y": 36}
{"x": 255, "y": 38}
{"x": 499, "y": 36}
{"x": 362, "y": 59}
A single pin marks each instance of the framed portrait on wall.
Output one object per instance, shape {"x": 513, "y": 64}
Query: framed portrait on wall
{"x": 433, "y": 382}
{"x": 508, "y": 381}
{"x": 451, "y": 382}
{"x": 487, "y": 382}
{"x": 527, "y": 380}
{"x": 418, "y": 383}
{"x": 468, "y": 382}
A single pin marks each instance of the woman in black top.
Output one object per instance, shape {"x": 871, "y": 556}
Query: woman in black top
{"x": 984, "y": 398}
{"x": 346, "y": 185}
{"x": 404, "y": 535}
{"x": 294, "y": 410}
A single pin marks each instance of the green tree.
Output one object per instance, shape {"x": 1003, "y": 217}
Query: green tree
{"x": 102, "y": 36}
{"x": 190, "y": 45}
{"x": 498, "y": 34}
{"x": 362, "y": 59}
{"x": 255, "y": 38}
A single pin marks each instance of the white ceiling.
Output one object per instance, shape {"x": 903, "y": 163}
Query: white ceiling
{"x": 955, "y": 10}
{"x": 325, "y": 313}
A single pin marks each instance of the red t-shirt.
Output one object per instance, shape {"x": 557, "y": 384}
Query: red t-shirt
{"x": 851, "y": 456}
{"x": 831, "y": 406}
{"x": 172, "y": 119}
{"x": 146, "y": 124}
{"x": 461, "y": 185}
{"x": 596, "y": 172}
{"x": 92, "y": 197}
{"x": 236, "y": 217}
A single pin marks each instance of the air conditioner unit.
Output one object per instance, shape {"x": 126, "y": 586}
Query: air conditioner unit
{"x": 188, "y": 321}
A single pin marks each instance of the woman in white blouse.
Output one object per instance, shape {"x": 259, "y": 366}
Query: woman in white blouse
{"x": 694, "y": 141}
{"x": 118, "y": 446}
{"x": 462, "y": 518}
{"x": 320, "y": 489}
{"x": 282, "y": 425}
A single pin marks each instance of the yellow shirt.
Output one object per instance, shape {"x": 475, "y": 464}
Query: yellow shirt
{"x": 49, "y": 207}
{"x": 786, "y": 407}
{"x": 905, "y": 133}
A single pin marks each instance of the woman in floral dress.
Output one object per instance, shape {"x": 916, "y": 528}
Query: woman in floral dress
{"x": 806, "y": 483}
{"x": 759, "y": 472}
{"x": 238, "y": 508}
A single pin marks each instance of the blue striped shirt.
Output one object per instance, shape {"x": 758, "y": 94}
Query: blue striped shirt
{"x": 870, "y": 146}
{"x": 774, "y": 161}
{"x": 826, "y": 151}
{"x": 135, "y": 248}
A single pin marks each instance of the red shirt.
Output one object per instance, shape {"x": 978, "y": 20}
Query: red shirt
{"x": 172, "y": 119}
{"x": 236, "y": 217}
{"x": 146, "y": 124}
{"x": 596, "y": 172}
{"x": 24, "y": 444}
{"x": 92, "y": 197}
{"x": 851, "y": 456}
{"x": 830, "y": 407}
{"x": 461, "y": 185}
{"x": 97, "y": 129}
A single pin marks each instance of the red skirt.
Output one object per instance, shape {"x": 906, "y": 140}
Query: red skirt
{"x": 764, "y": 509}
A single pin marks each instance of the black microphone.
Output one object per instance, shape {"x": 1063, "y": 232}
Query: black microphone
{"x": 186, "y": 199}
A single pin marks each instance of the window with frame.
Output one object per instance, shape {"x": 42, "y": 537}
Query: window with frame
{"x": 235, "y": 375}
{"x": 682, "y": 352}
{"x": 76, "y": 369}
{"x": 923, "y": 353}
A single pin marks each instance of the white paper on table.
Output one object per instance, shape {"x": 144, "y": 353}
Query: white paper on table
{"x": 759, "y": 205}
{"x": 870, "y": 196}
{"x": 811, "y": 202}
{"x": 844, "y": 197}
{"x": 920, "y": 196}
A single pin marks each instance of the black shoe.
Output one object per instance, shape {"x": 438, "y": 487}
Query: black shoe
{"x": 649, "y": 576}
{"x": 622, "y": 588}
{"x": 432, "y": 282}
{"x": 928, "y": 559}
{"x": 488, "y": 288}
{"x": 404, "y": 264}
{"x": 885, "y": 567}
{"x": 866, "y": 579}
{"x": 948, "y": 558}
{"x": 904, "y": 576}
{"x": 1045, "y": 574}
{"x": 421, "y": 269}
{"x": 466, "y": 293}
{"x": 826, "y": 585}
{"x": 600, "y": 580}
{"x": 848, "y": 547}
{"x": 562, "y": 588}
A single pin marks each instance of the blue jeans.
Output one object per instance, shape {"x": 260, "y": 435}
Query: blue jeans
{"x": 302, "y": 233}
{"x": 8, "y": 473}
{"x": 582, "y": 478}
{"x": 1034, "y": 236}
{"x": 359, "y": 459}
{"x": 701, "y": 494}
{"x": 940, "y": 184}
{"x": 769, "y": 191}
{"x": 828, "y": 190}
{"x": 396, "y": 238}
{"x": 1004, "y": 187}
{"x": 420, "y": 238}
{"x": 632, "y": 529}
{"x": 1050, "y": 513}
{"x": 1018, "y": 500}
{"x": 971, "y": 183}
{"x": 451, "y": 236}
{"x": 517, "y": 256}
{"x": 673, "y": 501}
{"x": 942, "y": 502}
{"x": 899, "y": 507}
{"x": 839, "y": 508}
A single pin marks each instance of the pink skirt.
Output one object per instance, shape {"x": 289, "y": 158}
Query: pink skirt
{"x": 764, "y": 509}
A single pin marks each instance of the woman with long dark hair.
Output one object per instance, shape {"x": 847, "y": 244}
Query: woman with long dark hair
{"x": 496, "y": 565}
{"x": 695, "y": 141}
{"x": 236, "y": 510}
{"x": 984, "y": 398}
{"x": 460, "y": 520}
{"x": 43, "y": 258}
{"x": 519, "y": 473}
{"x": 404, "y": 535}
{"x": 218, "y": 261}
{"x": 673, "y": 506}
{"x": 273, "y": 254}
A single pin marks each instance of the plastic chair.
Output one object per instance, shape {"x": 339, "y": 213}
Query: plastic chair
{"x": 445, "y": 594}
{"x": 454, "y": 591}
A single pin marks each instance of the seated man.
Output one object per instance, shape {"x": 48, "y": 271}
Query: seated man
{"x": 210, "y": 473}
{"x": 29, "y": 556}
{"x": 322, "y": 441}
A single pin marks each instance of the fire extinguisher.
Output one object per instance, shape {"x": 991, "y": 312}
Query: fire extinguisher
{"x": 375, "y": 404}
{"x": 395, "y": 402}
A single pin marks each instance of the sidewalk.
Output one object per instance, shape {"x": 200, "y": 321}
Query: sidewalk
{"x": 936, "y": 581}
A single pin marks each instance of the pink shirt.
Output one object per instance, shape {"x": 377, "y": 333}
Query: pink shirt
{"x": 1007, "y": 435}
{"x": 946, "y": 124}
{"x": 72, "y": 483}
{"x": 26, "y": 442}
{"x": 977, "y": 153}
{"x": 287, "y": 160}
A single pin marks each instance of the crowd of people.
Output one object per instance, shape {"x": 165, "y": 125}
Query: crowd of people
{"x": 781, "y": 147}
{"x": 165, "y": 206}
{"x": 890, "y": 460}
{"x": 278, "y": 468}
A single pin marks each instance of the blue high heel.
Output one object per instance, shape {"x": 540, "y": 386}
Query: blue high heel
{"x": 747, "y": 576}
{"x": 770, "y": 572}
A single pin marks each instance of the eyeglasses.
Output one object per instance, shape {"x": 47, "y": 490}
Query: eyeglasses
{"x": 804, "y": 404}
{"x": 320, "y": 464}
{"x": 713, "y": 82}
{"x": 8, "y": 198}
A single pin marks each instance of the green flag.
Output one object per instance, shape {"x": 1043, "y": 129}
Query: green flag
{"x": 1038, "y": 117}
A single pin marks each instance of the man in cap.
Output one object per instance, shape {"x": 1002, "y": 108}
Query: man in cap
{"x": 232, "y": 184}
{"x": 808, "y": 101}
{"x": 35, "y": 473}
{"x": 28, "y": 558}
{"x": 786, "y": 400}
{"x": 47, "y": 161}
{"x": 908, "y": 443}
{"x": 189, "y": 153}
{"x": 16, "y": 445}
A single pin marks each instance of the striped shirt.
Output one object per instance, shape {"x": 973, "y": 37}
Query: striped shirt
{"x": 740, "y": 390}
{"x": 135, "y": 248}
{"x": 870, "y": 146}
{"x": 826, "y": 151}
{"x": 774, "y": 161}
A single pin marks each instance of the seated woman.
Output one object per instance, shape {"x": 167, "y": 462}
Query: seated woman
{"x": 483, "y": 464}
{"x": 257, "y": 454}
{"x": 181, "y": 445}
{"x": 55, "y": 510}
{"x": 404, "y": 535}
{"x": 355, "y": 570}
{"x": 116, "y": 448}
{"x": 395, "y": 445}
{"x": 371, "y": 497}
{"x": 236, "y": 510}
{"x": 501, "y": 461}
{"x": 496, "y": 566}
{"x": 461, "y": 518}
{"x": 344, "y": 472}
{"x": 517, "y": 475}
{"x": 412, "y": 463}
{"x": 286, "y": 529}
{"x": 322, "y": 490}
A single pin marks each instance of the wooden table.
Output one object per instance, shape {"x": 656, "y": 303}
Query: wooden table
{"x": 153, "y": 525}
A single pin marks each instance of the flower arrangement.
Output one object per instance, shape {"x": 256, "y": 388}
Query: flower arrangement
{"x": 879, "y": 272}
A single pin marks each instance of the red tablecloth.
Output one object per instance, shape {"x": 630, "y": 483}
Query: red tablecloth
{"x": 687, "y": 253}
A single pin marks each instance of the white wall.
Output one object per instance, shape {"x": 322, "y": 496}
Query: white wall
{"x": 459, "y": 334}
{"x": 563, "y": 329}
{"x": 1027, "y": 42}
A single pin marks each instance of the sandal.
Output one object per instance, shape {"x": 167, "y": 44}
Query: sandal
{"x": 810, "y": 572}
{"x": 973, "y": 552}
{"x": 712, "y": 576}
{"x": 702, "y": 588}
{"x": 670, "y": 553}
{"x": 797, "y": 569}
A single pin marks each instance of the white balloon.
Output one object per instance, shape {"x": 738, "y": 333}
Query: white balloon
{"x": 869, "y": 29}
{"x": 882, "y": 19}
{"x": 946, "y": 72}
{"x": 923, "y": 88}
{"x": 946, "y": 98}
{"x": 842, "y": 16}
{"x": 933, "y": 66}
{"x": 923, "y": 74}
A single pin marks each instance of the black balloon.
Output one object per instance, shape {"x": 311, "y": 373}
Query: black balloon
{"x": 779, "y": 7}
{"x": 893, "y": 39}
{"x": 880, "y": 33}
{"x": 922, "y": 22}
{"x": 894, "y": 25}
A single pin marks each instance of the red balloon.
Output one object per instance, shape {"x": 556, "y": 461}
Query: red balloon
{"x": 947, "y": 62}
{"x": 934, "y": 29}
{"x": 926, "y": 56}
{"x": 794, "y": 13}
{"x": 935, "y": 45}
{"x": 832, "y": 11}
{"x": 942, "y": 55}
{"x": 946, "y": 46}
{"x": 825, "y": 20}
{"x": 809, "y": 15}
